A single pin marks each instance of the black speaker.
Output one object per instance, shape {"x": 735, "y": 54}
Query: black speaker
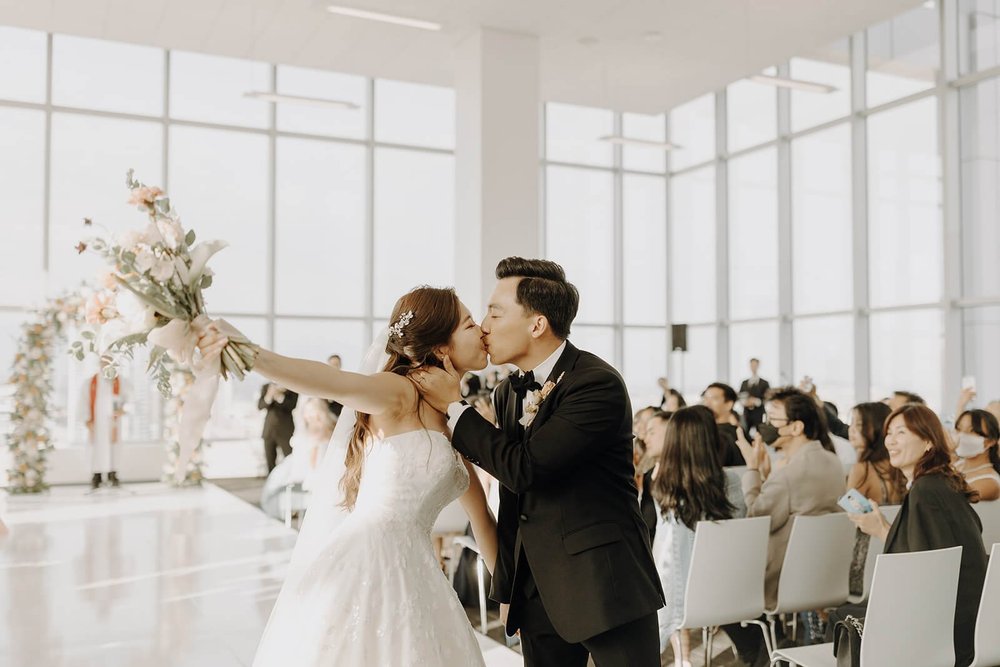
{"x": 679, "y": 336}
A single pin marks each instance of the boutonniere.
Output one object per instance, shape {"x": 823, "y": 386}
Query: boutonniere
{"x": 535, "y": 398}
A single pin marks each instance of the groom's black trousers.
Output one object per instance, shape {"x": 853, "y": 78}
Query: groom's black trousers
{"x": 635, "y": 644}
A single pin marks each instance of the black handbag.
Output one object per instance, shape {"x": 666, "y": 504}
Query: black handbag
{"x": 847, "y": 641}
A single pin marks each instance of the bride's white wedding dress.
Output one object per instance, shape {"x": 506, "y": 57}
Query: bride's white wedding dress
{"x": 375, "y": 595}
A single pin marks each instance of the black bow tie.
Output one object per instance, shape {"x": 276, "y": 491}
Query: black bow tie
{"x": 522, "y": 384}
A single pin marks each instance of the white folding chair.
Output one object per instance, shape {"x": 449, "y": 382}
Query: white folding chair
{"x": 294, "y": 499}
{"x": 466, "y": 542}
{"x": 875, "y": 548}
{"x": 910, "y": 621}
{"x": 816, "y": 569}
{"x": 987, "y": 640}
{"x": 989, "y": 514}
{"x": 726, "y": 581}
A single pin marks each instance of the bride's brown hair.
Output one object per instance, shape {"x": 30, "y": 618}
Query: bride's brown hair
{"x": 426, "y": 317}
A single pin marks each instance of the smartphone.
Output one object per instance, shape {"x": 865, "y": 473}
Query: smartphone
{"x": 969, "y": 382}
{"x": 855, "y": 503}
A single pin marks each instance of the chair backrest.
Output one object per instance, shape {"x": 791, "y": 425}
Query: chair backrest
{"x": 875, "y": 548}
{"x": 910, "y": 620}
{"x": 989, "y": 514}
{"x": 725, "y": 583}
{"x": 987, "y": 639}
{"x": 817, "y": 565}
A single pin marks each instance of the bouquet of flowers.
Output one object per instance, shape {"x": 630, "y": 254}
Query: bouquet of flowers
{"x": 151, "y": 293}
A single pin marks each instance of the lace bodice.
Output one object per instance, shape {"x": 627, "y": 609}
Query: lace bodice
{"x": 410, "y": 478}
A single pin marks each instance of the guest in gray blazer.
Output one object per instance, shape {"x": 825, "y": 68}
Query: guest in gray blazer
{"x": 807, "y": 479}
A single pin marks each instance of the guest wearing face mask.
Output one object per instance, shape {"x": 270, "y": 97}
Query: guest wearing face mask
{"x": 808, "y": 479}
{"x": 977, "y": 451}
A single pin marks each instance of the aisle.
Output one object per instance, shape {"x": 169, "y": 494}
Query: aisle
{"x": 145, "y": 575}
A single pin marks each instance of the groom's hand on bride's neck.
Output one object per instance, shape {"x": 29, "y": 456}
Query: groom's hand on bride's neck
{"x": 439, "y": 387}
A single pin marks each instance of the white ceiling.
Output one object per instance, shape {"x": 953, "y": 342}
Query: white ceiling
{"x": 702, "y": 44}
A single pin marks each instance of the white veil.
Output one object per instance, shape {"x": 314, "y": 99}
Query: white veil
{"x": 325, "y": 513}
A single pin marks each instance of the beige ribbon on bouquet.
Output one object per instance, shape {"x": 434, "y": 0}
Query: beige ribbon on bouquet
{"x": 180, "y": 339}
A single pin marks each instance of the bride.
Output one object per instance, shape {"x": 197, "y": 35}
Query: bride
{"x": 364, "y": 587}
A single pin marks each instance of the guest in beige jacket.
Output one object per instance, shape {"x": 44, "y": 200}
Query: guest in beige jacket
{"x": 807, "y": 479}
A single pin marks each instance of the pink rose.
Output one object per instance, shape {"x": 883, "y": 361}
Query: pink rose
{"x": 144, "y": 196}
{"x": 100, "y": 308}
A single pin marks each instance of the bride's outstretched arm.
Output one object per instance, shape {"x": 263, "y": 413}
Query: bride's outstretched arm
{"x": 372, "y": 394}
{"x": 484, "y": 524}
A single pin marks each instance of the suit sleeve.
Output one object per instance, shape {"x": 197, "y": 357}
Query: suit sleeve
{"x": 772, "y": 499}
{"x": 579, "y": 428}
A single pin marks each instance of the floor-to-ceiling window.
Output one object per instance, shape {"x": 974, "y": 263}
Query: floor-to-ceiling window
{"x": 844, "y": 229}
{"x": 328, "y": 212}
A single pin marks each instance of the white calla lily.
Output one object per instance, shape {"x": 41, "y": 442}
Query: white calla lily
{"x": 200, "y": 254}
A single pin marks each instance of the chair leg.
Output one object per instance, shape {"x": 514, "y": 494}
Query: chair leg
{"x": 482, "y": 594}
{"x": 765, "y": 629}
{"x": 709, "y": 650}
{"x": 704, "y": 647}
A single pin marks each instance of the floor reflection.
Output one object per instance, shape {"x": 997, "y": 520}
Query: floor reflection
{"x": 148, "y": 576}
{"x": 142, "y": 576}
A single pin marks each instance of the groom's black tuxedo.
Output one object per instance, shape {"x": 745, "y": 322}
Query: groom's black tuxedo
{"x": 570, "y": 531}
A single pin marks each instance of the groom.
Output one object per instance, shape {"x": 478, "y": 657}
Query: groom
{"x": 574, "y": 560}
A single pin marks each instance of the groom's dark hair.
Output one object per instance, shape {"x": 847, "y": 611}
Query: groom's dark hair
{"x": 543, "y": 290}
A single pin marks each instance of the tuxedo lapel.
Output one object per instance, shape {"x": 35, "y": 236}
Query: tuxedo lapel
{"x": 565, "y": 364}
{"x": 511, "y": 410}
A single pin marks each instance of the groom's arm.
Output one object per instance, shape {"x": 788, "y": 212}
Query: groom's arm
{"x": 582, "y": 426}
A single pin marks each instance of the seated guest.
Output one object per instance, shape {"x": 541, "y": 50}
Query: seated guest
{"x": 872, "y": 475}
{"x": 639, "y": 457}
{"x": 639, "y": 421}
{"x": 808, "y": 479}
{"x": 901, "y": 398}
{"x": 720, "y": 399}
{"x": 319, "y": 424}
{"x": 934, "y": 515}
{"x": 689, "y": 486}
{"x": 978, "y": 459}
{"x": 656, "y": 429}
{"x": 672, "y": 401}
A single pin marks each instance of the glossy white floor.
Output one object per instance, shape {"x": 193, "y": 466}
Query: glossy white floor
{"x": 144, "y": 575}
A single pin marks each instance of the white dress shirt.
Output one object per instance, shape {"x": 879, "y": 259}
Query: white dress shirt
{"x": 541, "y": 371}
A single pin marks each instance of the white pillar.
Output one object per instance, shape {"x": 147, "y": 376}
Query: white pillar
{"x": 497, "y": 155}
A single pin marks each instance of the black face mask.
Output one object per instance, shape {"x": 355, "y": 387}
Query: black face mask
{"x": 768, "y": 433}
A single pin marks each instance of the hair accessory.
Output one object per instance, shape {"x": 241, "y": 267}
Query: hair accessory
{"x": 397, "y": 328}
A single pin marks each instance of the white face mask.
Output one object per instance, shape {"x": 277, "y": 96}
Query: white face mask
{"x": 970, "y": 445}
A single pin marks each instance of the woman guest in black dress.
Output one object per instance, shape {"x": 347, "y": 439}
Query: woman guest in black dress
{"x": 935, "y": 513}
